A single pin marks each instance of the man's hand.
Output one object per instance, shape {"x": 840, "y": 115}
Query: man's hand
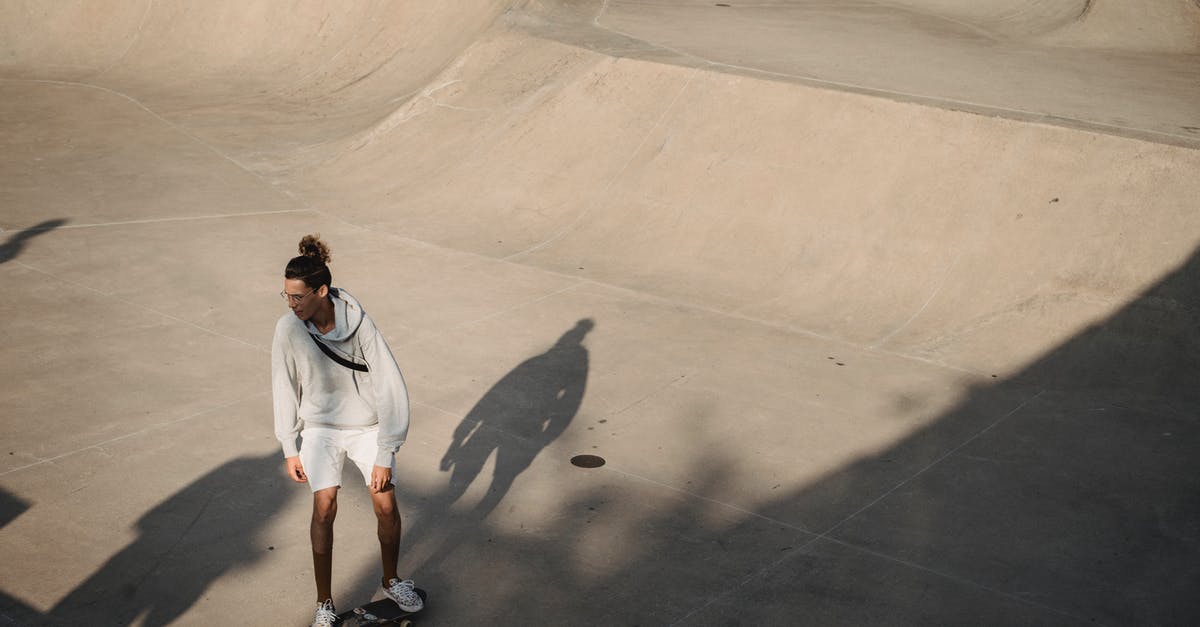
{"x": 381, "y": 479}
{"x": 295, "y": 470}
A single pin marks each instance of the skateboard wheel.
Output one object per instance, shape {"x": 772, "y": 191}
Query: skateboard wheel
{"x": 406, "y": 623}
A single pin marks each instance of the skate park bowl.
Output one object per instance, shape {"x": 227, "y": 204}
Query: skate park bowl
{"x": 863, "y": 313}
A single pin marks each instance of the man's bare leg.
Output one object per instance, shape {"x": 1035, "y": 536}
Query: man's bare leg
{"x": 321, "y": 530}
{"x": 389, "y": 526}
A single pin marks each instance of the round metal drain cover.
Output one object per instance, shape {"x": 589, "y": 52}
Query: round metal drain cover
{"x": 588, "y": 461}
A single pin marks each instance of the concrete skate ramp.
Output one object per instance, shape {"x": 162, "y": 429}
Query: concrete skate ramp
{"x": 881, "y": 312}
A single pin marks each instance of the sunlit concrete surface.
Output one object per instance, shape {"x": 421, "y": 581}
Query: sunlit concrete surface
{"x": 882, "y": 312}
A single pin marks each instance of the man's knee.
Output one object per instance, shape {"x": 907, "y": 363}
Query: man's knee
{"x": 385, "y": 506}
{"x": 325, "y": 506}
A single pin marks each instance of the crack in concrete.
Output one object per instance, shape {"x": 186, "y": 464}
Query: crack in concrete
{"x": 932, "y": 295}
{"x": 132, "y": 42}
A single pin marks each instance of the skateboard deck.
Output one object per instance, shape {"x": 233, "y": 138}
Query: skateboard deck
{"x": 381, "y": 612}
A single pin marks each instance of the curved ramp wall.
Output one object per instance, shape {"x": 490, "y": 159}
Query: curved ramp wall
{"x": 970, "y": 241}
{"x": 254, "y": 78}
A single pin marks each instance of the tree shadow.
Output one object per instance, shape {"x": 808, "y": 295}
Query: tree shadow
{"x": 12, "y": 609}
{"x": 15, "y": 243}
{"x": 184, "y": 544}
{"x": 1068, "y": 492}
{"x": 11, "y": 507}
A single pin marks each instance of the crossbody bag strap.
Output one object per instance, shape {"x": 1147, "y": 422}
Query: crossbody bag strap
{"x": 336, "y": 357}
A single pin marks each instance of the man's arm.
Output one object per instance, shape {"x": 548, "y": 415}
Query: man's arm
{"x": 391, "y": 393}
{"x": 285, "y": 392}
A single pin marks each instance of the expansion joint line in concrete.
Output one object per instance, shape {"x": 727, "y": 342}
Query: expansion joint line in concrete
{"x": 144, "y": 430}
{"x": 787, "y": 328}
{"x": 648, "y": 296}
{"x": 826, "y": 535}
{"x": 958, "y": 580}
{"x": 162, "y": 556}
{"x": 217, "y": 216}
{"x": 647, "y": 396}
{"x": 152, "y": 310}
{"x": 935, "y": 462}
{"x": 495, "y": 314}
{"x": 721, "y": 504}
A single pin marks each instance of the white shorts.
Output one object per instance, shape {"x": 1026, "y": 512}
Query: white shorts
{"x": 323, "y": 452}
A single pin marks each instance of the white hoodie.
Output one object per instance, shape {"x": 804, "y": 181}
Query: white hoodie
{"x": 312, "y": 390}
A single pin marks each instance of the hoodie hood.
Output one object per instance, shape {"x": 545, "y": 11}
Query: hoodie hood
{"x": 347, "y": 315}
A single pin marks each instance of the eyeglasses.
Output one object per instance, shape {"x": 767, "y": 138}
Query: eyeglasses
{"x": 294, "y": 299}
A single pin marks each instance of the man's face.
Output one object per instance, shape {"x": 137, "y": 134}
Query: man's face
{"x": 303, "y": 300}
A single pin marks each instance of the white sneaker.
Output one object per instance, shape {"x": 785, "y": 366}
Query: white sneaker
{"x": 326, "y": 616}
{"x": 404, "y": 594}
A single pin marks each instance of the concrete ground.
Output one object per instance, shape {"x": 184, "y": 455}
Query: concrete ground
{"x": 880, "y": 313}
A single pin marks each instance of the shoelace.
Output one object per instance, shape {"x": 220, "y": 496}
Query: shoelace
{"x": 326, "y": 617}
{"x": 402, "y": 589}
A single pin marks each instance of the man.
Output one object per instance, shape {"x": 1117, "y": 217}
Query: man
{"x": 337, "y": 386}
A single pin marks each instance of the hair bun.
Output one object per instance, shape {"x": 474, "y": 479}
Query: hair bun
{"x": 312, "y": 246}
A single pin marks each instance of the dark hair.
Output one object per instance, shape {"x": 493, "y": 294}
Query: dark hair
{"x": 312, "y": 264}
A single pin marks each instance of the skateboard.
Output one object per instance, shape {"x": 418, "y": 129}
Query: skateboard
{"x": 381, "y": 612}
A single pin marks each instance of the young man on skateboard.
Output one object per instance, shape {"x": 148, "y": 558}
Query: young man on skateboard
{"x": 336, "y": 386}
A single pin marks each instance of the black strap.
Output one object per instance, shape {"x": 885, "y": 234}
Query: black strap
{"x": 334, "y": 356}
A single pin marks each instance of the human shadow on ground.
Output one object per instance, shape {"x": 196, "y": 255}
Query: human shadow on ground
{"x": 1066, "y": 493}
{"x": 525, "y": 411}
{"x": 184, "y": 544}
{"x": 12, "y": 247}
{"x": 516, "y": 419}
